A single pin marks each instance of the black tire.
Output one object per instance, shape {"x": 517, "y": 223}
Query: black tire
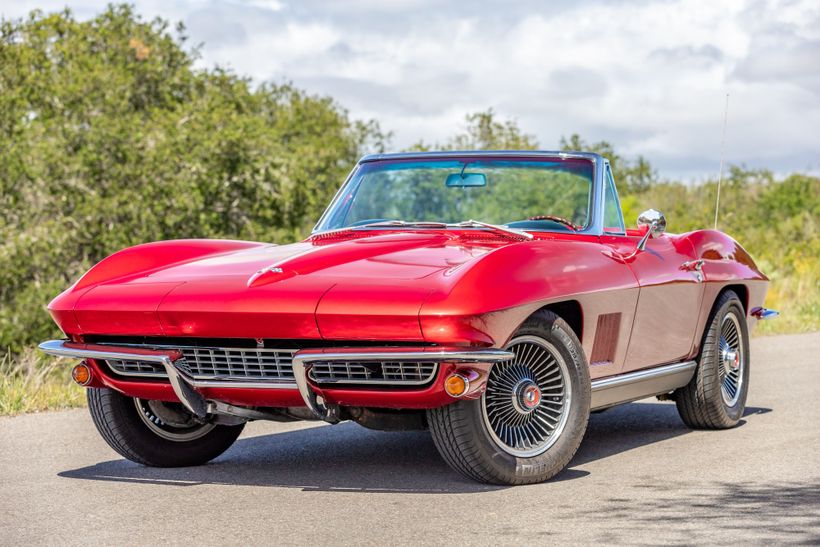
{"x": 702, "y": 403}
{"x": 118, "y": 420}
{"x": 464, "y": 437}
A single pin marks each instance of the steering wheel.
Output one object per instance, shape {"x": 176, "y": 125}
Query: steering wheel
{"x": 559, "y": 220}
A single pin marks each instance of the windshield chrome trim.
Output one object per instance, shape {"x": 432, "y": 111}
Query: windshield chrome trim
{"x": 482, "y": 153}
{"x": 336, "y": 197}
{"x": 594, "y": 227}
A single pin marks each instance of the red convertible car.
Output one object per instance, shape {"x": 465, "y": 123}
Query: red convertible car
{"x": 499, "y": 335}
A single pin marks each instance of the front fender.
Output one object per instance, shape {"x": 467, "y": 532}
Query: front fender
{"x": 487, "y": 301}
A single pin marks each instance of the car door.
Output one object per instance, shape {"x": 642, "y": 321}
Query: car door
{"x": 669, "y": 299}
{"x": 670, "y": 289}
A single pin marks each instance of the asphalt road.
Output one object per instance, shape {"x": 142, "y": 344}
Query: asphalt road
{"x": 640, "y": 477}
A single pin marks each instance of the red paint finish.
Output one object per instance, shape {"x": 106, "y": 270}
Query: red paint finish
{"x": 226, "y": 307}
{"x": 346, "y": 311}
{"x": 136, "y": 313}
{"x": 488, "y": 301}
{"x": 142, "y": 260}
{"x": 447, "y": 287}
{"x": 725, "y": 264}
{"x": 669, "y": 303}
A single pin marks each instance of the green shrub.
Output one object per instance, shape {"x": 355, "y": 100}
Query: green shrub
{"x": 109, "y": 138}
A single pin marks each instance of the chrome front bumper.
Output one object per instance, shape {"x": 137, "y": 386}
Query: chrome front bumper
{"x": 185, "y": 386}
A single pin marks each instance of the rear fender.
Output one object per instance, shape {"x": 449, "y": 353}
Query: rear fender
{"x": 726, "y": 264}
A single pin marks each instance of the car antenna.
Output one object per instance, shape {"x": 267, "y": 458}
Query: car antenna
{"x": 722, "y": 154}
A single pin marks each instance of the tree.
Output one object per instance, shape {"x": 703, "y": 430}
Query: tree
{"x": 483, "y": 131}
{"x": 109, "y": 137}
{"x": 633, "y": 176}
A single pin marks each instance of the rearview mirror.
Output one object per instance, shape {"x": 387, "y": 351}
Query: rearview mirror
{"x": 457, "y": 180}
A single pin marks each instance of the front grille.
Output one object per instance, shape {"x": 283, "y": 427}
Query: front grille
{"x": 273, "y": 365}
{"x": 203, "y": 363}
{"x": 388, "y": 372}
{"x": 237, "y": 363}
{"x": 136, "y": 368}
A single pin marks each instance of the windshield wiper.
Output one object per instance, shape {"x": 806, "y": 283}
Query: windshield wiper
{"x": 429, "y": 224}
{"x": 402, "y": 224}
{"x": 496, "y": 227}
{"x": 381, "y": 224}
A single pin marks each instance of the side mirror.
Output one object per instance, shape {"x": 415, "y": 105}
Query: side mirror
{"x": 655, "y": 223}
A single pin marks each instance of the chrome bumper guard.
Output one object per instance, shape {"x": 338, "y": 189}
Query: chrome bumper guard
{"x": 184, "y": 386}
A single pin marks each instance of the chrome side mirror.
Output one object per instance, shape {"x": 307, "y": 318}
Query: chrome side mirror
{"x": 656, "y": 225}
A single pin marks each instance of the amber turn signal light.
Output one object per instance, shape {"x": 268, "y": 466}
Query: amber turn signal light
{"x": 456, "y": 385}
{"x": 81, "y": 374}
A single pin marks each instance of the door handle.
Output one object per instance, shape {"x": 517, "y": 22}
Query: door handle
{"x": 692, "y": 266}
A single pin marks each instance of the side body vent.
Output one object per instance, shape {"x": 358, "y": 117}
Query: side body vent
{"x": 606, "y": 338}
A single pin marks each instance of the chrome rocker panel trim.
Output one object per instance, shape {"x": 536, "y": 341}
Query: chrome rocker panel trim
{"x": 330, "y": 413}
{"x": 640, "y": 384}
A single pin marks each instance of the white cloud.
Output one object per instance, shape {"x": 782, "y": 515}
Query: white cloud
{"x": 272, "y": 5}
{"x": 649, "y": 76}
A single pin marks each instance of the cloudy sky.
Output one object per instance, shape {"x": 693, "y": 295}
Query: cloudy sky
{"x": 651, "y": 77}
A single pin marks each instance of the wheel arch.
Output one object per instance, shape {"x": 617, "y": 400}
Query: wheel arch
{"x": 707, "y": 312}
{"x": 740, "y": 290}
{"x": 571, "y": 312}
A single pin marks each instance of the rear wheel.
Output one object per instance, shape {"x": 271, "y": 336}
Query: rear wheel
{"x": 715, "y": 398}
{"x": 533, "y": 415}
{"x": 156, "y": 433}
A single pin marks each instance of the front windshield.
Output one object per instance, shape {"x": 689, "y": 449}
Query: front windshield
{"x": 530, "y": 194}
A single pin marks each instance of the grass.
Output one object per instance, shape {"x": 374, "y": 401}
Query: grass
{"x": 32, "y": 382}
{"x": 797, "y": 298}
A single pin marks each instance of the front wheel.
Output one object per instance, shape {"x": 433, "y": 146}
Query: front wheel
{"x": 533, "y": 415}
{"x": 156, "y": 433}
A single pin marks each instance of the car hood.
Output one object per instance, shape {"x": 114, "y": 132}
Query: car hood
{"x": 398, "y": 256}
{"x": 336, "y": 287}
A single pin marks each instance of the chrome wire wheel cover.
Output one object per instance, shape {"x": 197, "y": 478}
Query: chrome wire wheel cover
{"x": 732, "y": 359}
{"x": 170, "y": 421}
{"x": 526, "y": 403}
